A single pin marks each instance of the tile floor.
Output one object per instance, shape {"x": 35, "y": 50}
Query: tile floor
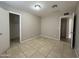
{"x": 40, "y": 48}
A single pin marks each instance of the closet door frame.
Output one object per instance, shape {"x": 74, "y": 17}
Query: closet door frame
{"x": 19, "y": 23}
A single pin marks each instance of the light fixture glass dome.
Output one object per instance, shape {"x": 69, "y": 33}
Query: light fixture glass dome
{"x": 37, "y": 7}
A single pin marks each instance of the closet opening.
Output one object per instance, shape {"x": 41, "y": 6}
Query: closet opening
{"x": 14, "y": 21}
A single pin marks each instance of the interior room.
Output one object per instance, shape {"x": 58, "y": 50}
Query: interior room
{"x": 39, "y": 29}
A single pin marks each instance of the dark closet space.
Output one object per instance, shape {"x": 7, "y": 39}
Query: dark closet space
{"x": 14, "y": 28}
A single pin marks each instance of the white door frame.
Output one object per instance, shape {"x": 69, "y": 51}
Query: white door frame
{"x": 60, "y": 24}
{"x": 70, "y": 17}
{"x": 19, "y": 22}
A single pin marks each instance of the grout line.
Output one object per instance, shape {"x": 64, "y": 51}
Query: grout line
{"x": 48, "y": 53}
{"x": 76, "y": 53}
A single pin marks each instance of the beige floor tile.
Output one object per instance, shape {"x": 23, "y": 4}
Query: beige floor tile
{"x": 53, "y": 54}
{"x": 40, "y": 48}
{"x": 37, "y": 55}
{"x": 28, "y": 51}
{"x": 69, "y": 53}
{"x": 14, "y": 51}
{"x": 45, "y": 50}
{"x": 21, "y": 55}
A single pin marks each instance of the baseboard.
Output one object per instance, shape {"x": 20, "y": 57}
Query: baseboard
{"x": 49, "y": 37}
{"x": 76, "y": 53}
{"x": 31, "y": 38}
{"x": 34, "y": 37}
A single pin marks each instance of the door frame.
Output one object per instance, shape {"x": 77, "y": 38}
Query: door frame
{"x": 74, "y": 31}
{"x": 72, "y": 17}
{"x": 19, "y": 23}
{"x": 68, "y": 16}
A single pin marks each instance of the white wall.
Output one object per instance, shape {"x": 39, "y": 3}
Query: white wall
{"x": 4, "y": 29}
{"x": 30, "y": 25}
{"x": 50, "y": 26}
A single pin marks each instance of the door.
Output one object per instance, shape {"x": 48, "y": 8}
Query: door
{"x": 4, "y": 30}
{"x": 72, "y": 31}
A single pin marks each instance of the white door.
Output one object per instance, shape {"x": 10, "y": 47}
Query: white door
{"x": 4, "y": 30}
{"x": 72, "y": 26}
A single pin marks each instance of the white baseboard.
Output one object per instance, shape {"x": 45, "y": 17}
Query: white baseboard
{"x": 49, "y": 37}
{"x": 76, "y": 53}
{"x": 34, "y": 37}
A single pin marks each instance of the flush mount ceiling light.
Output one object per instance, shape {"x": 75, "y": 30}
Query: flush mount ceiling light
{"x": 54, "y": 6}
{"x": 37, "y": 6}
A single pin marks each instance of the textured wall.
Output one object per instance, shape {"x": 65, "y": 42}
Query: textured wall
{"x": 50, "y": 26}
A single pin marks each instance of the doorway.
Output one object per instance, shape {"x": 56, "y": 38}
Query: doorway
{"x": 64, "y": 35}
{"x": 67, "y": 29}
{"x": 14, "y": 21}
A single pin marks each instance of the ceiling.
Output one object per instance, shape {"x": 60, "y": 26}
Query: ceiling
{"x": 46, "y": 6}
